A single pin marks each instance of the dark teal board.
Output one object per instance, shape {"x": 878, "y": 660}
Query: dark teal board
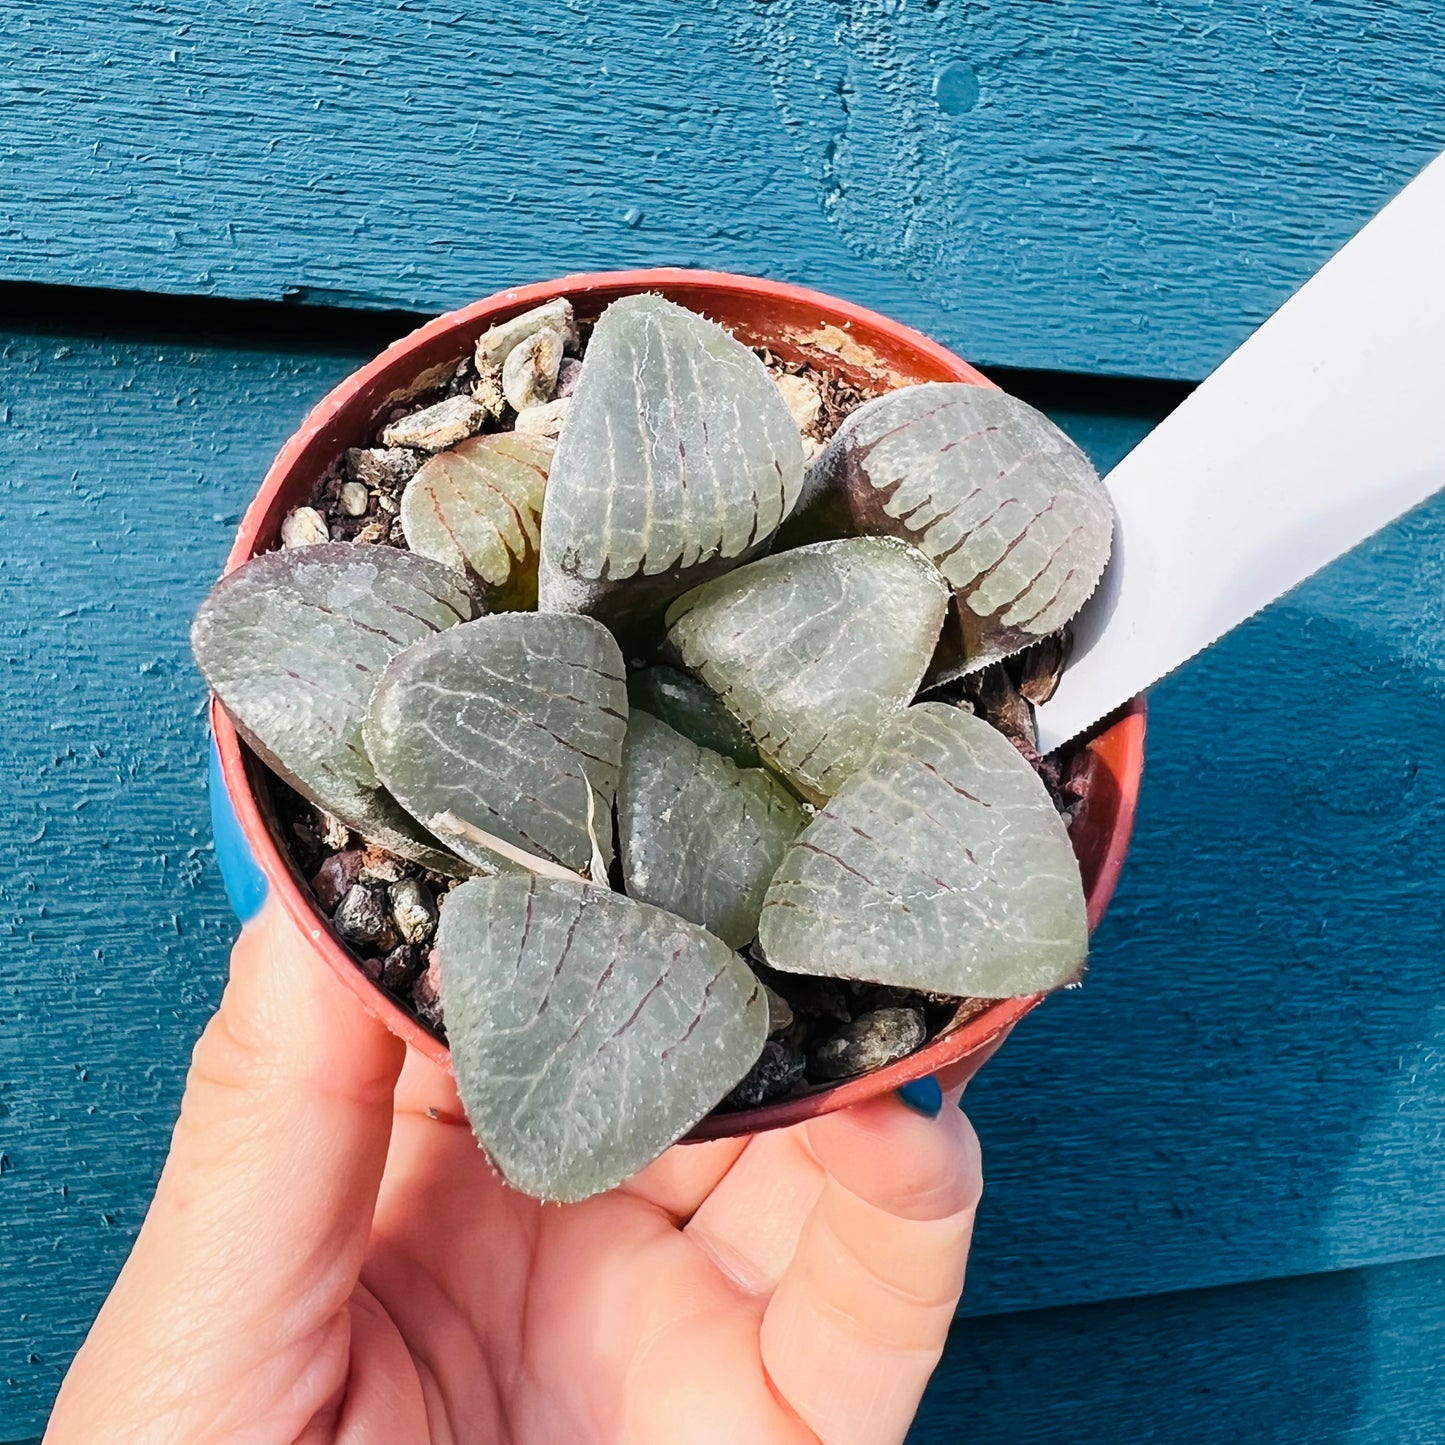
{"x": 1351, "y": 1358}
{"x": 1252, "y": 1080}
{"x": 1249, "y": 1084}
{"x": 1202, "y": 1164}
{"x": 1121, "y": 186}
{"x": 123, "y": 472}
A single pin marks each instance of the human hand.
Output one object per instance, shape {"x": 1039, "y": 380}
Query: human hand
{"x": 329, "y": 1258}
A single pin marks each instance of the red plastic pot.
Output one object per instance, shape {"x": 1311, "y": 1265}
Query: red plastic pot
{"x": 794, "y": 324}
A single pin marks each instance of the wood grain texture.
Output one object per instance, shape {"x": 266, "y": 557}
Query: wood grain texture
{"x": 123, "y": 472}
{"x": 1124, "y": 187}
{"x": 1350, "y": 1358}
{"x": 1249, "y": 1082}
{"x": 1258, "y": 1051}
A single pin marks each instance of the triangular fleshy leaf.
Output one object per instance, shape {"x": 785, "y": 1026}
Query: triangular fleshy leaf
{"x": 700, "y": 836}
{"x": 679, "y": 460}
{"x": 989, "y": 489}
{"x": 941, "y": 865}
{"x": 588, "y": 1031}
{"x": 503, "y": 724}
{"x": 478, "y": 508}
{"x": 694, "y": 710}
{"x": 292, "y": 644}
{"x": 815, "y": 650}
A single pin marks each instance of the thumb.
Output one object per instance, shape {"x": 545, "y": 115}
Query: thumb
{"x": 241, "y": 1273}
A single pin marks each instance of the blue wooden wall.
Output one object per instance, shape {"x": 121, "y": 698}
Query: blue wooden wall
{"x": 1216, "y": 1205}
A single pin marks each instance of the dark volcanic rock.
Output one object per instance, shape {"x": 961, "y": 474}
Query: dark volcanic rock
{"x": 869, "y": 1042}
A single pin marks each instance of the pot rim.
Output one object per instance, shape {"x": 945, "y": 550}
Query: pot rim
{"x": 1118, "y": 749}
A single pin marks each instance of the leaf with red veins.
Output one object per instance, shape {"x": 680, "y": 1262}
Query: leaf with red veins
{"x": 699, "y": 835}
{"x": 506, "y": 724}
{"x": 814, "y": 651}
{"x": 679, "y": 461}
{"x": 940, "y": 865}
{"x": 478, "y": 509}
{"x": 588, "y": 1031}
{"x": 292, "y": 644}
{"x": 987, "y": 488}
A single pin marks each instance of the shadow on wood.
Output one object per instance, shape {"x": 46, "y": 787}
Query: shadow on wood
{"x": 1250, "y": 1080}
{"x": 1350, "y": 1358}
{"x": 1249, "y": 1083}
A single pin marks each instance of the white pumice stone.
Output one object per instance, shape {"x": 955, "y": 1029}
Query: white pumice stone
{"x": 529, "y": 375}
{"x": 412, "y": 910}
{"x": 304, "y": 527}
{"x": 544, "y": 420}
{"x": 436, "y": 427}
{"x": 354, "y": 499}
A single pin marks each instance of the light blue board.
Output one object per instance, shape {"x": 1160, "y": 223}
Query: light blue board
{"x": 1249, "y": 1083}
{"x": 1095, "y": 185}
{"x": 1351, "y": 1358}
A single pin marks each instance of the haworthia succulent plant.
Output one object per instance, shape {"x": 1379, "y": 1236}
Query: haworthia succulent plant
{"x": 694, "y": 710}
{"x": 292, "y": 643}
{"x": 700, "y": 836}
{"x": 947, "y": 526}
{"x": 505, "y": 724}
{"x": 588, "y": 1031}
{"x": 815, "y": 650}
{"x": 941, "y": 865}
{"x": 990, "y": 490}
{"x": 478, "y": 509}
{"x": 679, "y": 459}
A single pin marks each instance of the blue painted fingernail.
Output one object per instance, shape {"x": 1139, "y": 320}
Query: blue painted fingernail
{"x": 244, "y": 881}
{"x": 923, "y": 1095}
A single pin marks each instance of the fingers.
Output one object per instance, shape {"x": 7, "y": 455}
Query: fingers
{"x": 241, "y": 1274}
{"x": 283, "y": 1131}
{"x": 686, "y": 1175}
{"x": 386, "y": 1396}
{"x": 860, "y": 1315}
{"x": 428, "y": 1089}
{"x": 749, "y": 1225}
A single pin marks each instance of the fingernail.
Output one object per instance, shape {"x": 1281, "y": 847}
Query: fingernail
{"x": 924, "y": 1096}
{"x": 244, "y": 882}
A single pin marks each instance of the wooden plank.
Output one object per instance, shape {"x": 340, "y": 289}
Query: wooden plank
{"x": 1248, "y": 1084}
{"x": 1252, "y": 1079}
{"x": 1353, "y": 1358}
{"x": 123, "y": 472}
{"x": 1124, "y": 187}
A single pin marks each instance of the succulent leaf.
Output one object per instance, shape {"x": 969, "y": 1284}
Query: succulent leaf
{"x": 815, "y": 650}
{"x": 506, "y": 723}
{"x": 292, "y": 644}
{"x": 477, "y": 508}
{"x": 679, "y": 460}
{"x": 700, "y": 836}
{"x": 987, "y": 488}
{"x": 941, "y": 865}
{"x": 694, "y": 710}
{"x": 588, "y": 1031}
